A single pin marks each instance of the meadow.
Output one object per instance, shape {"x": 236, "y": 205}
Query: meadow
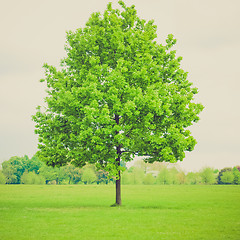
{"x": 148, "y": 212}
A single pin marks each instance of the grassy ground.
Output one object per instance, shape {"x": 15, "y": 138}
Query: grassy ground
{"x": 148, "y": 212}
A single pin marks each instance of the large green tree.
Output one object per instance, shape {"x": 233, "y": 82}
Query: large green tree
{"x": 118, "y": 94}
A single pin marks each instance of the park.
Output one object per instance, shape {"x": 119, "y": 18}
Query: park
{"x": 117, "y": 96}
{"x": 148, "y": 212}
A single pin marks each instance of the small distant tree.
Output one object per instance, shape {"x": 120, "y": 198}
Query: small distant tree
{"x": 173, "y": 175}
{"x": 164, "y": 176}
{"x": 118, "y": 94}
{"x": 236, "y": 174}
{"x": 2, "y": 178}
{"x": 208, "y": 176}
{"x": 72, "y": 174}
{"x": 149, "y": 179}
{"x": 9, "y": 173}
{"x": 88, "y": 176}
{"x": 138, "y": 175}
{"x": 181, "y": 177}
{"x": 32, "y": 178}
{"x": 221, "y": 173}
{"x": 49, "y": 174}
{"x": 193, "y": 178}
{"x": 13, "y": 169}
{"x": 102, "y": 176}
{"x": 127, "y": 177}
{"x": 227, "y": 177}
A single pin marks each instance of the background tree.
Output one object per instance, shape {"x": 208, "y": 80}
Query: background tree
{"x": 193, "y": 178}
{"x": 14, "y": 168}
{"x": 118, "y": 94}
{"x": 88, "y": 176}
{"x": 236, "y": 174}
{"x": 149, "y": 179}
{"x": 181, "y": 177}
{"x": 227, "y": 169}
{"x": 2, "y": 178}
{"x": 32, "y": 178}
{"x": 208, "y": 176}
{"x": 73, "y": 175}
{"x": 49, "y": 174}
{"x": 227, "y": 177}
{"x": 164, "y": 176}
{"x": 102, "y": 176}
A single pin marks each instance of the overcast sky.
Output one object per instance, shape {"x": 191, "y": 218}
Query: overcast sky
{"x": 208, "y": 34}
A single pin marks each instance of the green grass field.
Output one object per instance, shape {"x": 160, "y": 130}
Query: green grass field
{"x": 148, "y": 212}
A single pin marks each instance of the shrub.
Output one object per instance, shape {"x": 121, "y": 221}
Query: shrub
{"x": 32, "y": 178}
{"x": 208, "y": 176}
{"x": 2, "y": 178}
{"x": 148, "y": 179}
{"x": 227, "y": 177}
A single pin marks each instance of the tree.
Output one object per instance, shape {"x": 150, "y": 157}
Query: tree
{"x": 2, "y": 178}
{"x": 149, "y": 179}
{"x": 193, "y": 178}
{"x": 164, "y": 176}
{"x": 13, "y": 169}
{"x": 117, "y": 94}
{"x": 181, "y": 177}
{"x": 221, "y": 173}
{"x": 88, "y": 175}
{"x": 236, "y": 174}
{"x": 49, "y": 174}
{"x": 227, "y": 177}
{"x": 208, "y": 176}
{"x": 32, "y": 178}
{"x": 72, "y": 173}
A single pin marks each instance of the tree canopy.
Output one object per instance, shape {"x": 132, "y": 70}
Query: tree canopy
{"x": 118, "y": 93}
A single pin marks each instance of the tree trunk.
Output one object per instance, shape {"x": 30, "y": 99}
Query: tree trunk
{"x": 118, "y": 190}
{"x": 118, "y": 181}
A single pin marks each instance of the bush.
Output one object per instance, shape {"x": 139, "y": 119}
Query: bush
{"x": 164, "y": 177}
{"x": 227, "y": 177}
{"x": 2, "y": 178}
{"x": 193, "y": 178}
{"x": 208, "y": 176}
{"x": 148, "y": 179}
{"x": 221, "y": 173}
{"x": 32, "y": 178}
{"x": 88, "y": 176}
{"x": 236, "y": 174}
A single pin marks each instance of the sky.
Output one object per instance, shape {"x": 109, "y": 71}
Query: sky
{"x": 207, "y": 33}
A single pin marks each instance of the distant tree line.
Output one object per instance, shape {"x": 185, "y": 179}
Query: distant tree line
{"x": 25, "y": 170}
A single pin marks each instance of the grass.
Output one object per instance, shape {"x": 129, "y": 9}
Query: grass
{"x": 148, "y": 212}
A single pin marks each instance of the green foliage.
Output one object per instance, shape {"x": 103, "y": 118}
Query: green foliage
{"x": 2, "y": 178}
{"x": 236, "y": 174}
{"x": 134, "y": 175}
{"x": 72, "y": 174}
{"x": 13, "y": 169}
{"x": 118, "y": 93}
{"x": 221, "y": 173}
{"x": 181, "y": 177}
{"x": 227, "y": 177}
{"x": 149, "y": 179}
{"x": 208, "y": 176}
{"x": 88, "y": 176}
{"x": 193, "y": 178}
{"x": 49, "y": 173}
{"x": 164, "y": 176}
{"x": 32, "y": 178}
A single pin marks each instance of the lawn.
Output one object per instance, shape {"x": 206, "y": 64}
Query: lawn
{"x": 148, "y": 212}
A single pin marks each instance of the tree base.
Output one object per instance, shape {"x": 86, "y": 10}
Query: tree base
{"x": 115, "y": 205}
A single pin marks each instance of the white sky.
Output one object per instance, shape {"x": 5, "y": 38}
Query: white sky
{"x": 208, "y": 34}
